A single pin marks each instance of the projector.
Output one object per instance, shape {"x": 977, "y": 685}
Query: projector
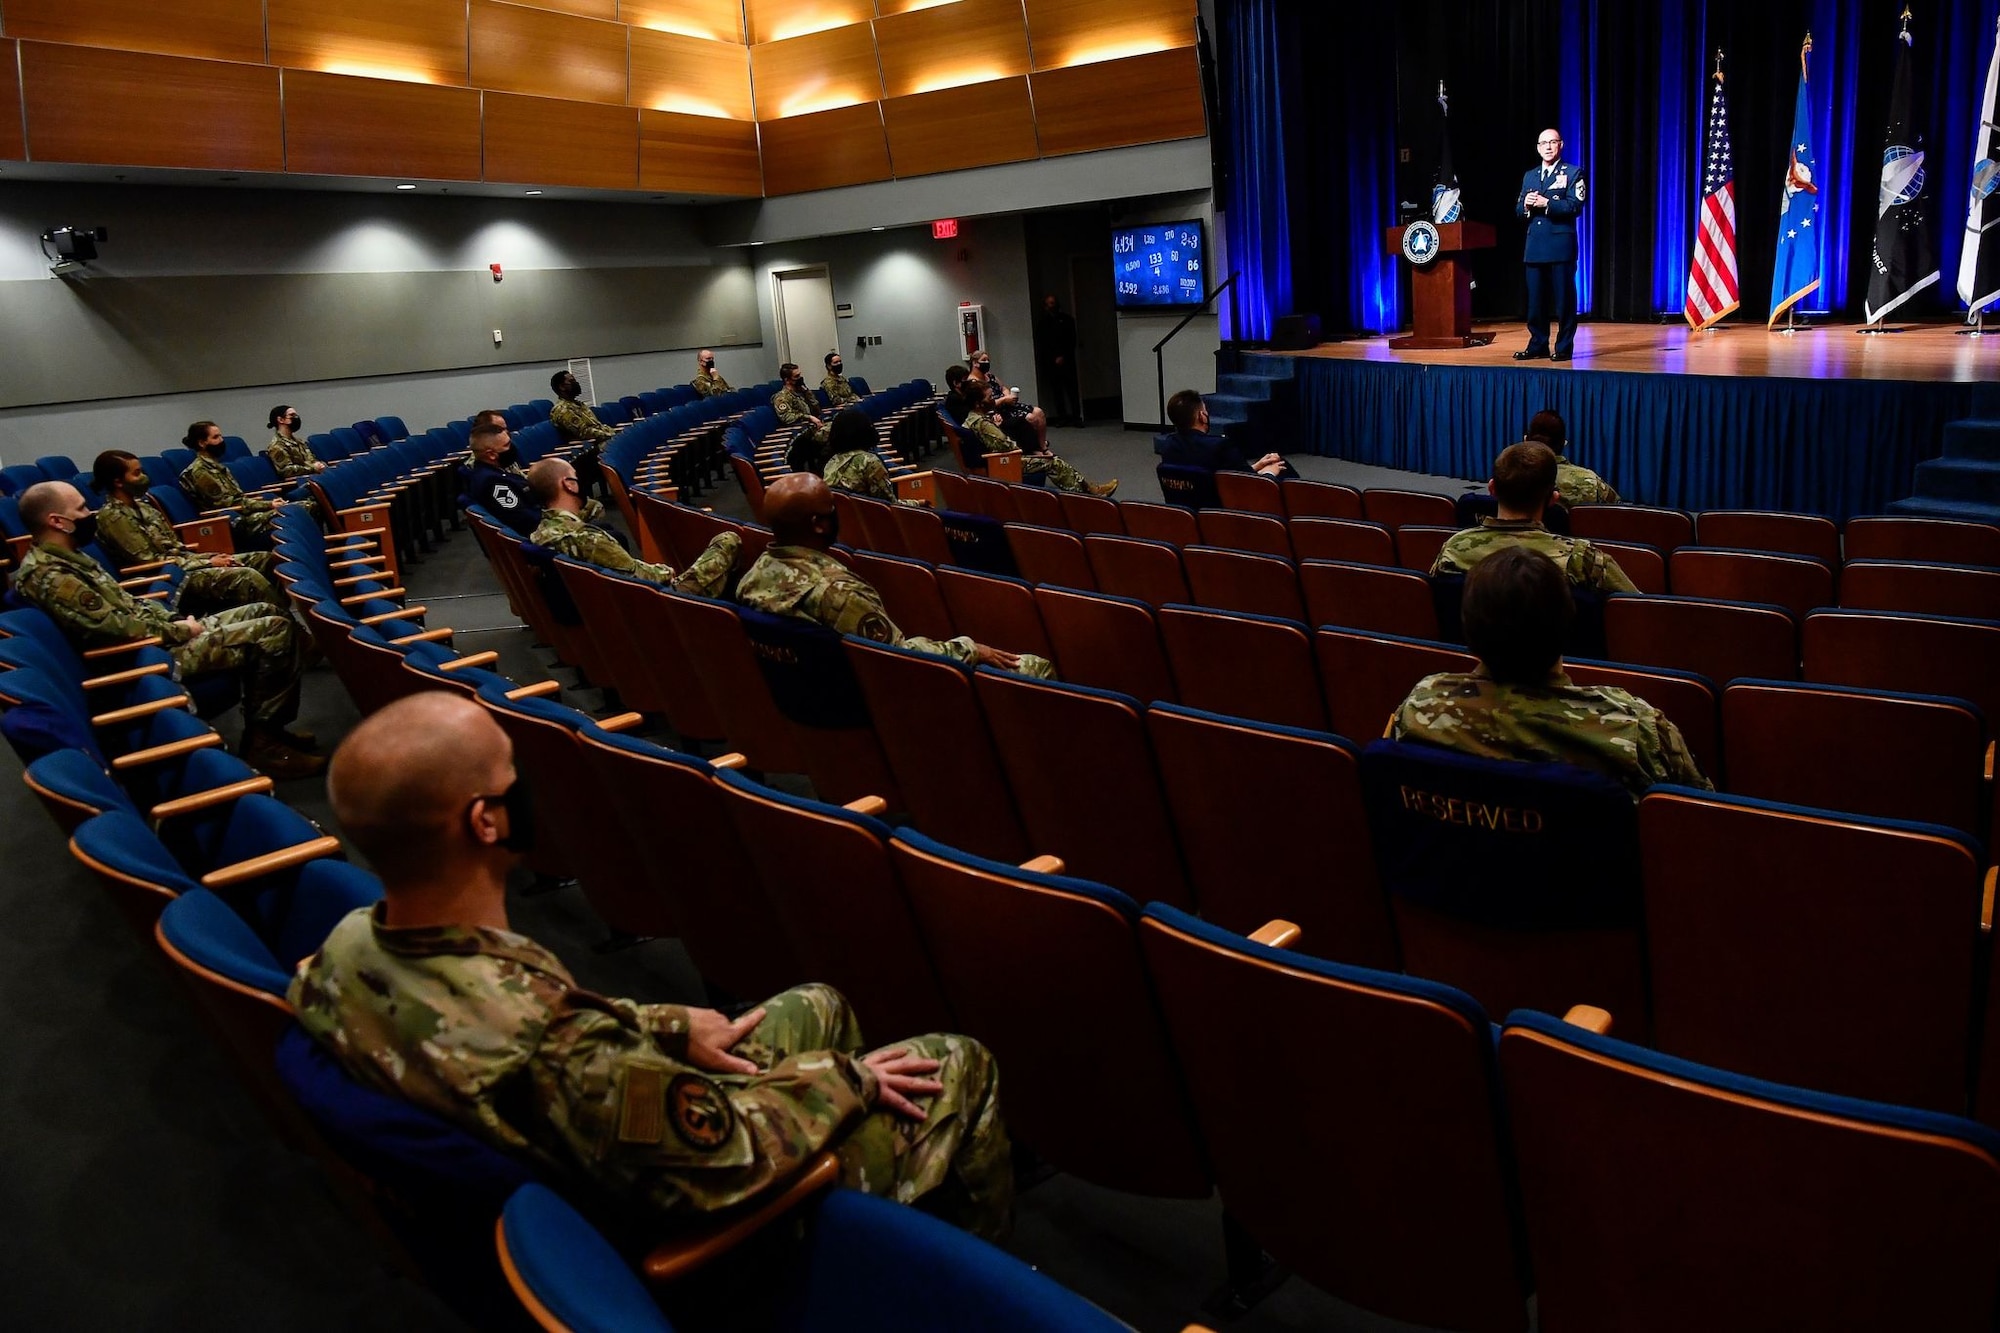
{"x": 75, "y": 247}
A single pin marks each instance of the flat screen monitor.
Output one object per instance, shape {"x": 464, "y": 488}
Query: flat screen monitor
{"x": 1160, "y": 266}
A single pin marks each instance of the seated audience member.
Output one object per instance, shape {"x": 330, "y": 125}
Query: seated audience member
{"x": 852, "y": 463}
{"x": 496, "y": 483}
{"x": 1519, "y": 703}
{"x": 135, "y": 532}
{"x": 1524, "y": 481}
{"x": 574, "y": 417}
{"x": 1024, "y": 424}
{"x": 211, "y": 485}
{"x": 797, "y": 411}
{"x": 290, "y": 455}
{"x": 430, "y": 995}
{"x": 955, "y": 403}
{"x": 1574, "y": 485}
{"x": 1190, "y": 445}
{"x": 261, "y": 645}
{"x": 552, "y": 482}
{"x": 982, "y": 436}
{"x": 706, "y": 381}
{"x": 797, "y": 577}
{"x": 839, "y": 393}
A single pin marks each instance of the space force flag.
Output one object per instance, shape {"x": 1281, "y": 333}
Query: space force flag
{"x": 1445, "y": 203}
{"x": 1902, "y": 262}
{"x": 1797, "y": 272}
{"x": 1979, "y": 262}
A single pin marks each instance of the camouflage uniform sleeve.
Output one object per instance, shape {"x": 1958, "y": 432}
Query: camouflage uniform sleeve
{"x": 1609, "y": 494}
{"x": 111, "y": 616}
{"x": 1677, "y": 760}
{"x": 601, "y": 548}
{"x": 593, "y": 511}
{"x": 1594, "y": 569}
{"x": 1450, "y": 558}
{"x": 638, "y": 1121}
{"x": 122, "y": 532}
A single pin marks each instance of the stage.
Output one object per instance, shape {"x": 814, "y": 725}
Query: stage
{"x": 1826, "y": 420}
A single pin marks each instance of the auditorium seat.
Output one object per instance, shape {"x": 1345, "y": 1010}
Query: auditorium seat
{"x": 919, "y": 533}
{"x": 1084, "y": 781}
{"x": 713, "y": 638}
{"x": 1110, "y": 642}
{"x": 1160, "y": 523}
{"x": 1243, "y": 665}
{"x": 909, "y": 592}
{"x": 1390, "y": 601}
{"x": 995, "y": 499}
{"x": 1716, "y": 639}
{"x": 981, "y": 921}
{"x": 1320, "y": 499}
{"x": 683, "y": 697}
{"x": 1085, "y": 514}
{"x": 933, "y": 733}
{"x": 1188, "y": 487}
{"x": 1767, "y": 530}
{"x": 1689, "y": 701}
{"x": 569, "y": 796}
{"x": 880, "y": 530}
{"x": 1645, "y": 565}
{"x": 1797, "y": 583}
{"x": 1924, "y": 588}
{"x": 681, "y": 530}
{"x": 805, "y": 667}
{"x": 1348, "y": 540}
{"x": 1244, "y": 532}
{"x": 1400, "y": 508}
{"x": 1050, "y": 555}
{"x": 567, "y": 1275}
{"x": 1038, "y": 505}
{"x": 1366, "y": 676}
{"x": 1662, "y": 529}
{"x": 1265, "y": 585}
{"x": 1149, "y": 571}
{"x": 1250, "y": 492}
{"x": 825, "y": 870}
{"x": 956, "y": 491}
{"x": 1833, "y": 951}
{"x": 1881, "y": 650}
{"x": 994, "y": 610}
{"x": 598, "y": 602}
{"x": 1661, "y": 1194}
{"x": 1517, "y": 882}
{"x": 1395, "y": 1193}
{"x": 1906, "y": 537}
{"x": 1417, "y": 547}
{"x": 1306, "y": 860}
{"x": 978, "y": 542}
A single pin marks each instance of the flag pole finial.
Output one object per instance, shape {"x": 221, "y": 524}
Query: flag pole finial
{"x": 1805, "y": 51}
{"x": 1718, "y": 64}
{"x": 1905, "y": 33}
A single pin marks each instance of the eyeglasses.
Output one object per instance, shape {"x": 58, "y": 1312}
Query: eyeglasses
{"x": 1543, "y": 143}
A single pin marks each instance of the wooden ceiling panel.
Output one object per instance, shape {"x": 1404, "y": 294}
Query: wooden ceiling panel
{"x": 1113, "y": 103}
{"x": 698, "y": 155}
{"x": 835, "y": 68}
{"x": 590, "y": 9}
{"x": 928, "y": 49}
{"x": 341, "y": 126}
{"x": 423, "y": 41}
{"x": 211, "y": 29}
{"x": 690, "y": 75}
{"x": 776, "y": 20}
{"x": 975, "y": 126}
{"x": 131, "y": 109}
{"x": 538, "y": 53}
{"x": 542, "y": 141}
{"x": 716, "y": 20}
{"x": 1076, "y": 32}
{"x": 12, "y": 146}
{"x": 828, "y": 148}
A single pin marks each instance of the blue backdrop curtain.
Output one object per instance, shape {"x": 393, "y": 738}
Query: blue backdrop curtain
{"x": 1259, "y": 232}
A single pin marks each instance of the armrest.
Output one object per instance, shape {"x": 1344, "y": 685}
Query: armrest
{"x": 390, "y": 594}
{"x": 214, "y": 796}
{"x": 541, "y": 689}
{"x": 1590, "y": 1018}
{"x": 127, "y": 677}
{"x": 674, "y": 1258}
{"x": 732, "y": 760}
{"x": 144, "y": 581}
{"x": 242, "y": 872}
{"x": 357, "y": 560}
{"x": 219, "y": 513}
{"x": 1277, "y": 933}
{"x": 171, "y": 750}
{"x": 868, "y": 805}
{"x": 442, "y": 634}
{"x": 407, "y": 613}
{"x": 1986, "y": 898}
{"x": 486, "y": 658}
{"x": 142, "y": 566}
{"x": 161, "y": 595}
{"x": 112, "y": 650}
{"x": 1044, "y": 865}
{"x": 353, "y": 579}
{"x": 622, "y": 722}
{"x": 137, "y": 711}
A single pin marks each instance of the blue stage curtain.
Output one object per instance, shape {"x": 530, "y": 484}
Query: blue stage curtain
{"x": 1259, "y": 228}
{"x": 1835, "y": 447}
{"x": 1682, "y": 111}
{"x": 1954, "y": 42}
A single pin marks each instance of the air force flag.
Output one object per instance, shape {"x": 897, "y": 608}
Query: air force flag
{"x": 1797, "y": 272}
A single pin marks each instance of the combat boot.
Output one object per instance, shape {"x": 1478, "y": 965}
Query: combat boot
{"x": 1106, "y": 489}
{"x": 267, "y": 752}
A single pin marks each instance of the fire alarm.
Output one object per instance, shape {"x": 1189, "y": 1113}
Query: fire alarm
{"x": 496, "y": 271}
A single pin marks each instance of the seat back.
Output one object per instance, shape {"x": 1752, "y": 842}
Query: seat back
{"x": 1406, "y": 1096}
{"x": 1161, "y": 523}
{"x": 1688, "y": 700}
{"x": 1367, "y": 676}
{"x": 1038, "y": 505}
{"x": 683, "y": 694}
{"x": 1082, "y": 774}
{"x": 909, "y": 592}
{"x": 1719, "y": 640}
{"x": 1763, "y": 530}
{"x": 920, "y": 533}
{"x": 564, "y": 1271}
{"x": 1350, "y": 540}
{"x": 1417, "y": 547}
{"x": 1050, "y": 555}
{"x": 1368, "y": 597}
{"x": 1265, "y": 585}
{"x": 994, "y": 610}
{"x": 1907, "y": 537}
{"x": 1831, "y": 951}
{"x": 1927, "y": 589}
{"x": 1110, "y": 642}
{"x": 1319, "y": 499}
{"x": 1241, "y": 531}
{"x": 1402, "y": 508}
{"x": 1658, "y": 1191}
{"x": 1662, "y": 529}
{"x": 1189, "y": 487}
{"x": 1243, "y": 665}
{"x": 979, "y": 919}
{"x": 713, "y": 637}
{"x": 1316, "y": 871}
{"x": 598, "y": 604}
{"x": 1916, "y": 654}
{"x": 569, "y": 797}
{"x": 1087, "y": 513}
{"x": 995, "y": 499}
{"x": 1645, "y": 565}
{"x": 1797, "y": 583}
{"x": 1149, "y": 571}
{"x": 1250, "y": 492}
{"x": 806, "y": 670}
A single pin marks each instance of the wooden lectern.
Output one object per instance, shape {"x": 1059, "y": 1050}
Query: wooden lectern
{"x": 1441, "y": 290}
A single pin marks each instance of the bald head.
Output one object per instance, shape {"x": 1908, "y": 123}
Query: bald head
{"x": 403, "y": 783}
{"x": 546, "y": 478}
{"x": 48, "y": 499}
{"x": 799, "y": 508}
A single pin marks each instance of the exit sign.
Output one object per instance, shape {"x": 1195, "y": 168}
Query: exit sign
{"x": 944, "y": 229}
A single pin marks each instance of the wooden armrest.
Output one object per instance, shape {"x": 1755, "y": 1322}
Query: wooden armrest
{"x": 541, "y": 689}
{"x": 486, "y": 658}
{"x": 126, "y": 677}
{"x": 137, "y": 711}
{"x": 161, "y": 595}
{"x": 407, "y": 613}
{"x": 390, "y": 594}
{"x": 353, "y": 579}
{"x": 171, "y": 750}
{"x": 357, "y": 560}
{"x": 1044, "y": 865}
{"x": 214, "y": 796}
{"x": 732, "y": 760}
{"x": 1277, "y": 933}
{"x": 144, "y": 565}
{"x": 1590, "y": 1018}
{"x": 1986, "y": 898}
{"x": 442, "y": 634}
{"x": 144, "y": 581}
{"x": 673, "y": 1258}
{"x": 356, "y": 532}
{"x": 868, "y": 805}
{"x": 622, "y": 722}
{"x": 112, "y": 650}
{"x": 218, "y": 513}
{"x": 1989, "y": 759}
{"x": 242, "y": 872}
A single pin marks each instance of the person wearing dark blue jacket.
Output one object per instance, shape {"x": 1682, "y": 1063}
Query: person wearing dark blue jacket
{"x": 1190, "y": 445}
{"x": 1552, "y": 196}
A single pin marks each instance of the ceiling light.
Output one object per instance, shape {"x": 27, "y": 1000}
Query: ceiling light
{"x": 406, "y": 186}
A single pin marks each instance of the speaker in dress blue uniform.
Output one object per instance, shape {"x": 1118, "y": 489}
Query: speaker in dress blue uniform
{"x": 1552, "y": 195}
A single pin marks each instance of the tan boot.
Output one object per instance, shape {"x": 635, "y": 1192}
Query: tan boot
{"x": 1106, "y": 489}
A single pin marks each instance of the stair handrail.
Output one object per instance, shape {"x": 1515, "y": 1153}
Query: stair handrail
{"x": 1159, "y": 357}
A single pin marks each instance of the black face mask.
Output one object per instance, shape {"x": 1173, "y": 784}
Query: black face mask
{"x": 510, "y": 456}
{"x": 836, "y": 367}
{"x": 215, "y": 450}
{"x": 520, "y": 808}
{"x": 84, "y": 530}
{"x": 833, "y": 526}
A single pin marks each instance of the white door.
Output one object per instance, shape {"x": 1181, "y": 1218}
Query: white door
{"x": 804, "y": 317}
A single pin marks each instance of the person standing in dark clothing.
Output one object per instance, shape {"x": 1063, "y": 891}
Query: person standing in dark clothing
{"x": 1055, "y": 362}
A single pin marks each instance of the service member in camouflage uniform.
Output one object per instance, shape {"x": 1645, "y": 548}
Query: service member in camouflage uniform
{"x": 838, "y": 391}
{"x": 982, "y": 436}
{"x": 796, "y": 577}
{"x": 135, "y": 532}
{"x": 76, "y": 592}
{"x": 1575, "y": 485}
{"x": 211, "y": 485}
{"x": 431, "y": 995}
{"x": 290, "y": 456}
{"x": 1524, "y": 480}
{"x": 572, "y": 416}
{"x": 1520, "y": 704}
{"x": 798, "y": 412}
{"x": 706, "y": 382}
{"x": 564, "y": 530}
{"x": 852, "y": 463}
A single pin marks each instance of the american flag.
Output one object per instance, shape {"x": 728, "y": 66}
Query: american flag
{"x": 1711, "y": 290}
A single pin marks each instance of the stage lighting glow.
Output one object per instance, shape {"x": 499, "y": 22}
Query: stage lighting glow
{"x": 691, "y": 106}
{"x": 959, "y": 78}
{"x": 810, "y": 100}
{"x": 360, "y": 69}
{"x": 1121, "y": 50}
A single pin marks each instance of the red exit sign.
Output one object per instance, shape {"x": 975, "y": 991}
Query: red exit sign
{"x": 944, "y": 229}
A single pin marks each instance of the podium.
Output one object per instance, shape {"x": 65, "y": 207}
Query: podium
{"x": 1441, "y": 285}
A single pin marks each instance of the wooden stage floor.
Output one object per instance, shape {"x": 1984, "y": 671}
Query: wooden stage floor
{"x": 1931, "y": 353}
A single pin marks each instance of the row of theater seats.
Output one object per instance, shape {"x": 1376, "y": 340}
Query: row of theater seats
{"x": 906, "y": 432}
